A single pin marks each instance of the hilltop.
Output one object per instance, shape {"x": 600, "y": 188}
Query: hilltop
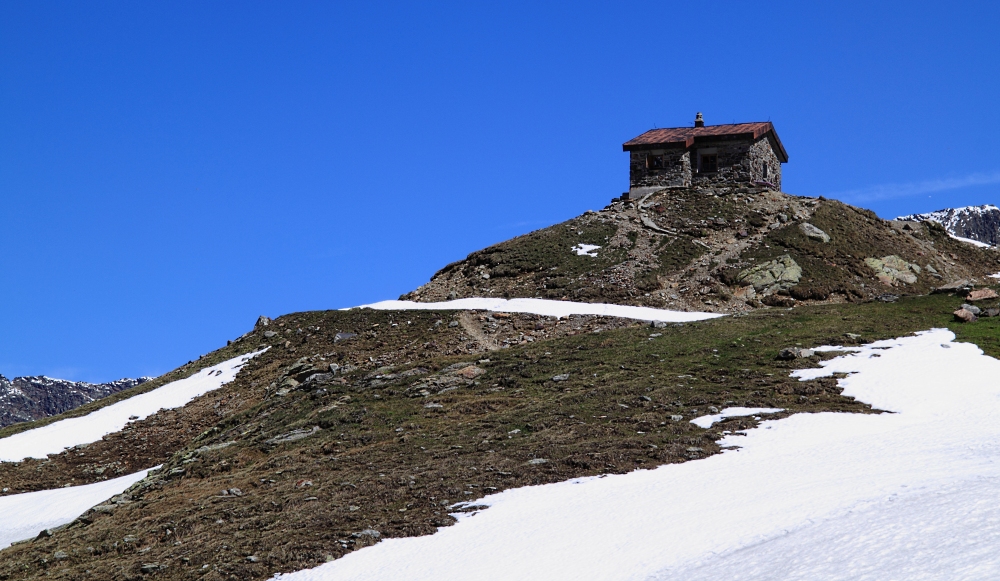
{"x": 318, "y": 434}
{"x": 720, "y": 250}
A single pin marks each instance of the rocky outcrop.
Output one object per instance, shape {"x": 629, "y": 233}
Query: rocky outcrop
{"x": 781, "y": 273}
{"x": 24, "y": 399}
{"x": 893, "y": 269}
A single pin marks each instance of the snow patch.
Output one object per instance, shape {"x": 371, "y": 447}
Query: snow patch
{"x": 899, "y": 495}
{"x": 57, "y": 436}
{"x": 707, "y": 421}
{"x": 23, "y": 516}
{"x": 545, "y": 307}
{"x": 585, "y": 250}
{"x": 971, "y": 241}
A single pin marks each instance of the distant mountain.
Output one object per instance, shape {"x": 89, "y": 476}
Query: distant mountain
{"x": 24, "y": 399}
{"x": 979, "y": 223}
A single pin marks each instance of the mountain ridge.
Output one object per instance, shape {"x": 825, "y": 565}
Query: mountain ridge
{"x": 30, "y": 398}
{"x": 979, "y": 223}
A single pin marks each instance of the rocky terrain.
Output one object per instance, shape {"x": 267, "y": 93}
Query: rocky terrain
{"x": 980, "y": 223}
{"x": 724, "y": 250}
{"x": 24, "y": 399}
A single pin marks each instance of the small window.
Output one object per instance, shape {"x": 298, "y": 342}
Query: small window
{"x": 765, "y": 170}
{"x": 709, "y": 163}
{"x": 654, "y": 162}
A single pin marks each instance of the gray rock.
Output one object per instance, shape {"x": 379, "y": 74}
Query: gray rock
{"x": 269, "y": 334}
{"x": 789, "y": 353}
{"x": 658, "y": 324}
{"x": 561, "y": 377}
{"x": 958, "y": 287}
{"x": 150, "y": 568}
{"x": 536, "y": 461}
{"x": 676, "y": 418}
{"x": 343, "y": 336}
{"x": 992, "y": 312}
{"x": 972, "y": 309}
{"x": 252, "y": 559}
{"x": 368, "y": 533}
{"x": 262, "y": 321}
{"x": 60, "y": 555}
{"x": 781, "y": 273}
{"x": 813, "y": 232}
{"x": 892, "y": 269}
{"x": 334, "y": 367}
{"x": 453, "y": 324}
{"x": 293, "y": 435}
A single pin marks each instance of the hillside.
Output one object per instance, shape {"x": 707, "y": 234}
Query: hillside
{"x": 699, "y": 249}
{"x": 979, "y": 223}
{"x": 23, "y": 399}
{"x": 318, "y": 434}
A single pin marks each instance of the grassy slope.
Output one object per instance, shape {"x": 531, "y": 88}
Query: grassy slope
{"x": 383, "y": 460}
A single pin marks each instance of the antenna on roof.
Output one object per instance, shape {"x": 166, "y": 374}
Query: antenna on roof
{"x": 698, "y": 121}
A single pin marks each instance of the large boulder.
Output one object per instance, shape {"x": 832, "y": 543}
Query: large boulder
{"x": 813, "y": 232}
{"x": 893, "y": 269}
{"x": 768, "y": 278}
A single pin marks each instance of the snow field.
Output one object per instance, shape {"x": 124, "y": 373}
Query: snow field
{"x": 902, "y": 495}
{"x": 547, "y": 307}
{"x": 57, "y": 436}
{"x": 23, "y": 516}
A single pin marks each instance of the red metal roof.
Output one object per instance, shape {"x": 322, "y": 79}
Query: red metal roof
{"x": 687, "y": 136}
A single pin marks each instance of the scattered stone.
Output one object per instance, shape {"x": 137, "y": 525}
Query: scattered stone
{"x": 150, "y": 568}
{"x": 334, "y": 367}
{"x": 813, "y": 232}
{"x": 888, "y": 298}
{"x": 892, "y": 269}
{"x": 992, "y": 312}
{"x": 982, "y": 294}
{"x": 252, "y": 559}
{"x": 658, "y": 324}
{"x": 789, "y": 353}
{"x": 453, "y": 324}
{"x": 676, "y": 418}
{"x": 367, "y": 533}
{"x": 60, "y": 555}
{"x": 781, "y": 273}
{"x": 262, "y": 321}
{"x": 269, "y": 334}
{"x": 561, "y": 377}
{"x": 964, "y": 316}
{"x": 971, "y": 308}
{"x": 853, "y": 336}
{"x": 343, "y": 336}
{"x": 536, "y": 461}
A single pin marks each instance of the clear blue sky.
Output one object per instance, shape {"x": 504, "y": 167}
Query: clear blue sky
{"x": 171, "y": 170}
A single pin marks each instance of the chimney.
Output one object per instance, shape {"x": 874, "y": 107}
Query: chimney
{"x": 698, "y": 121}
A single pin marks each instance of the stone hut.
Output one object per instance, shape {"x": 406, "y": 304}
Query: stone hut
{"x": 705, "y": 155}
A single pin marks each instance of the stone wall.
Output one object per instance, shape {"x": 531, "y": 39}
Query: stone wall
{"x": 738, "y": 162}
{"x": 675, "y": 171}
